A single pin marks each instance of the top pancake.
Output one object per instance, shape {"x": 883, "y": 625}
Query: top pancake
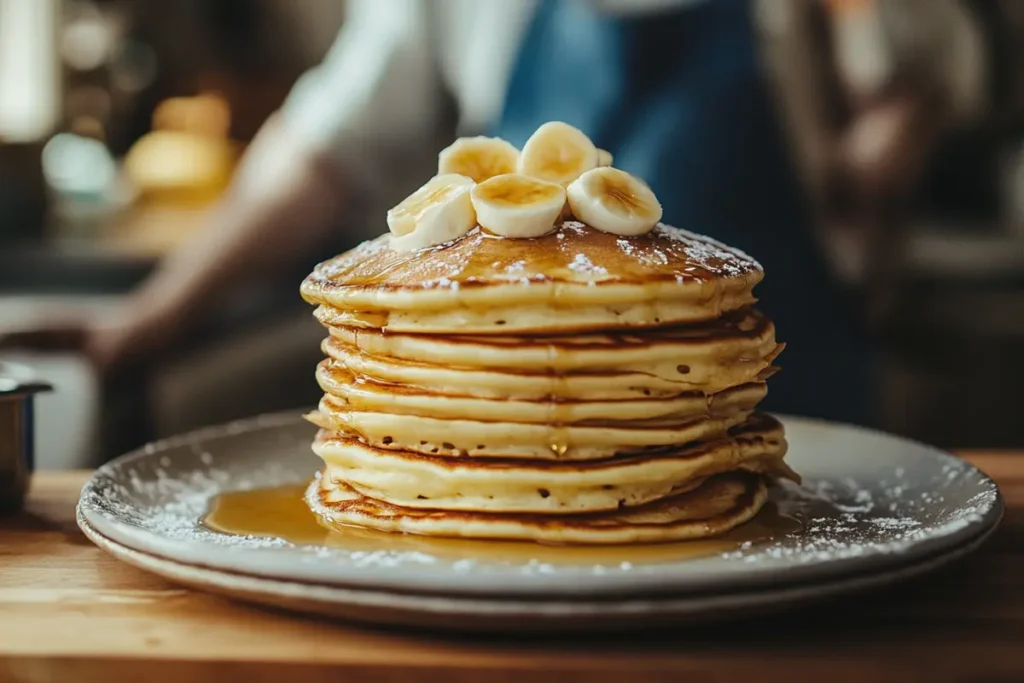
{"x": 572, "y": 279}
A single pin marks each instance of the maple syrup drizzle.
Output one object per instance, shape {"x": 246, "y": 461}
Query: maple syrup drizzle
{"x": 281, "y": 512}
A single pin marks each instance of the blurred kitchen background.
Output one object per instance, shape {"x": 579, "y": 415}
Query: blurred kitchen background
{"x": 121, "y": 123}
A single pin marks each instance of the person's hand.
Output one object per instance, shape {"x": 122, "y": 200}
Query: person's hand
{"x": 50, "y": 335}
{"x": 110, "y": 338}
{"x": 885, "y": 147}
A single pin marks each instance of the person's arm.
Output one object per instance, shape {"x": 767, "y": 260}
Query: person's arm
{"x": 338, "y": 136}
{"x": 281, "y": 202}
{"x": 277, "y": 210}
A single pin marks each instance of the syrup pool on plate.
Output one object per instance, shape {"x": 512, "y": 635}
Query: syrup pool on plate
{"x": 281, "y": 512}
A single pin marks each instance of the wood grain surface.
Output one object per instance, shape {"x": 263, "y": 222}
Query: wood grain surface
{"x": 68, "y": 612}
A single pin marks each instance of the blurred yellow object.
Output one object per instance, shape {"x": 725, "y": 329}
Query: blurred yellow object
{"x": 188, "y": 159}
{"x": 206, "y": 114}
{"x": 176, "y": 167}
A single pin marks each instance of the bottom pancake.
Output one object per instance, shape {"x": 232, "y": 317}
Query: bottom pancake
{"x": 410, "y": 480}
{"x": 718, "y": 504}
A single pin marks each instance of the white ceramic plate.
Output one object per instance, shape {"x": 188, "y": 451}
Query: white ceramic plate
{"x": 870, "y": 504}
{"x": 476, "y": 614}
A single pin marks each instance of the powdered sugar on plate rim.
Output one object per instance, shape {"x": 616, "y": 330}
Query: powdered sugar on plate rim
{"x": 153, "y": 500}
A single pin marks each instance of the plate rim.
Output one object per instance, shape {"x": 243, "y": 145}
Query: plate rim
{"x": 546, "y": 614}
{"x": 426, "y": 582}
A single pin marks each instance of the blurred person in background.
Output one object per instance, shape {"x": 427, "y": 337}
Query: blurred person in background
{"x": 674, "y": 89}
{"x": 887, "y": 104}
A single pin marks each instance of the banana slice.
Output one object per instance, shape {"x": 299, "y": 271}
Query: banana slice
{"x": 479, "y": 158}
{"x": 604, "y": 157}
{"x": 438, "y": 212}
{"x": 515, "y": 205}
{"x": 557, "y": 153}
{"x": 613, "y": 201}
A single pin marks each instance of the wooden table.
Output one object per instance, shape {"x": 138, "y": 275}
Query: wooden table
{"x": 68, "y": 612}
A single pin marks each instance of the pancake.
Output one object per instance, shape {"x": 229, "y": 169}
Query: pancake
{"x": 599, "y": 385}
{"x": 445, "y": 436}
{"x": 573, "y": 279}
{"x": 367, "y": 395}
{"x": 716, "y": 505}
{"x": 736, "y": 349}
{"x": 577, "y": 387}
{"x": 501, "y": 485}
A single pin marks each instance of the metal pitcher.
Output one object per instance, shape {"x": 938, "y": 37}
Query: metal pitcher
{"x": 18, "y": 387}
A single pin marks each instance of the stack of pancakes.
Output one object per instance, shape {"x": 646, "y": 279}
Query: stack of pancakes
{"x": 574, "y": 388}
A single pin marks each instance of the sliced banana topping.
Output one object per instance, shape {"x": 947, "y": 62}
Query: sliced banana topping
{"x": 559, "y": 175}
{"x": 515, "y": 205}
{"x": 557, "y": 153}
{"x": 438, "y": 212}
{"x": 614, "y": 201}
{"x": 478, "y": 158}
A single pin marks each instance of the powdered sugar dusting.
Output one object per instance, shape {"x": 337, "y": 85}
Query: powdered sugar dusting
{"x": 165, "y": 488}
{"x": 183, "y": 500}
{"x": 583, "y": 265}
{"x": 161, "y": 493}
{"x": 850, "y": 519}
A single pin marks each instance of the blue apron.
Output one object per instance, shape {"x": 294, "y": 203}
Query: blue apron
{"x": 679, "y": 100}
